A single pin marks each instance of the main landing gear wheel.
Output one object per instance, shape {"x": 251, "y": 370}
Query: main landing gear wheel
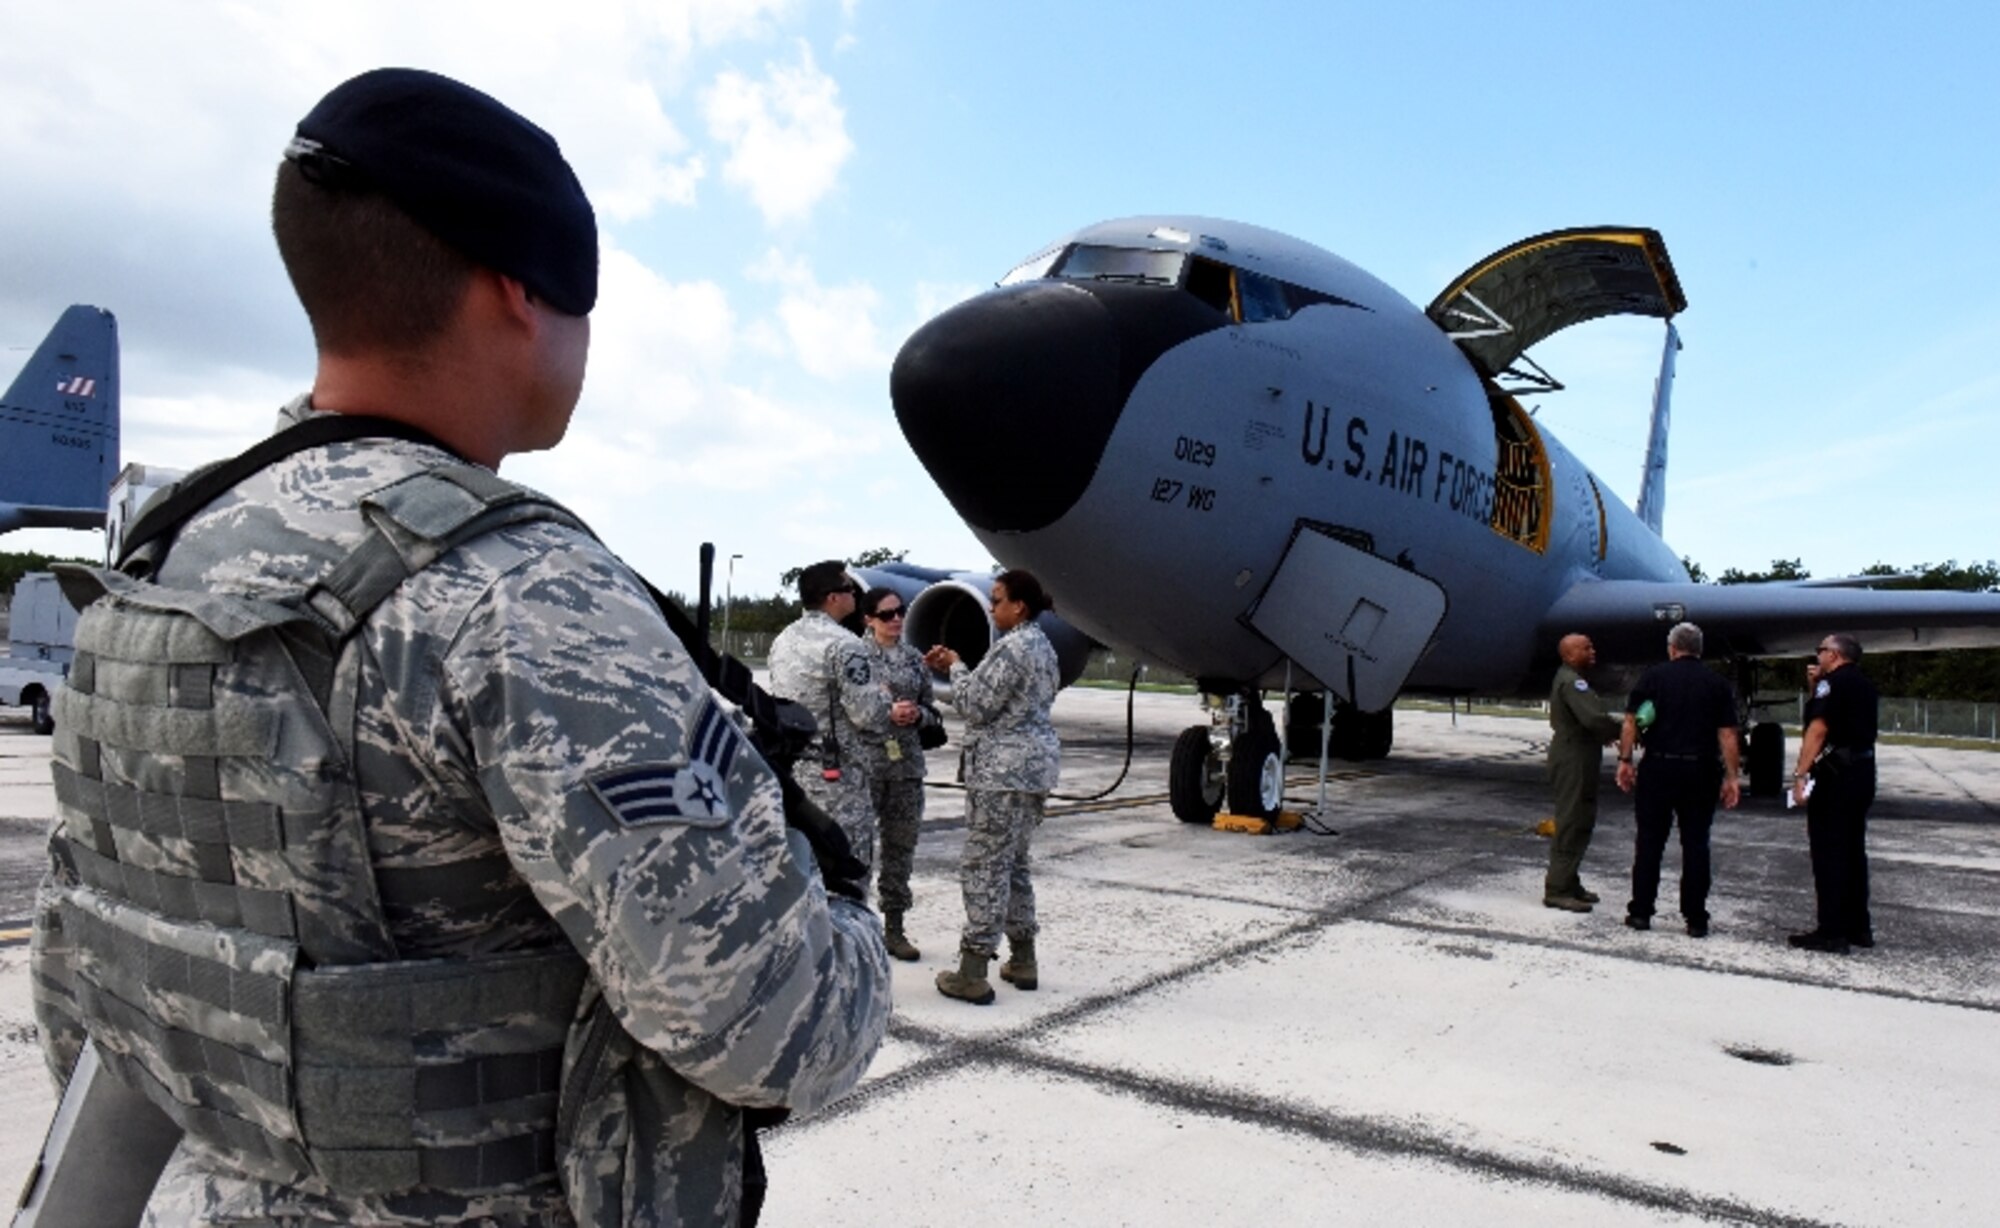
{"x": 1359, "y": 735}
{"x": 1256, "y": 770}
{"x": 1194, "y": 777}
{"x": 1767, "y": 759}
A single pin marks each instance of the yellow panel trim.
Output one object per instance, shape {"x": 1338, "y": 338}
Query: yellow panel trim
{"x": 1515, "y": 253}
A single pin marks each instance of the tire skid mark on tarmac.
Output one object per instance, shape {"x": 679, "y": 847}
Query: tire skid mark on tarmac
{"x": 952, "y": 1053}
{"x": 1397, "y": 1140}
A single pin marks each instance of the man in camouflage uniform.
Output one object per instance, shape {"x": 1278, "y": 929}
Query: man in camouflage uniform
{"x": 893, "y": 754}
{"x": 1011, "y": 760}
{"x": 818, "y": 663}
{"x": 539, "y": 765}
{"x": 1581, "y": 728}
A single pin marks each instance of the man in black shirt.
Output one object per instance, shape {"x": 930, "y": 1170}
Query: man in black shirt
{"x": 1691, "y": 760}
{"x": 1837, "y": 755}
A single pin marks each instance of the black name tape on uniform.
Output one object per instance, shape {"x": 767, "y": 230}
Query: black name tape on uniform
{"x": 694, "y": 793}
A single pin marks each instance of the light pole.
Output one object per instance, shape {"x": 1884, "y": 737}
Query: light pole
{"x": 728, "y": 595}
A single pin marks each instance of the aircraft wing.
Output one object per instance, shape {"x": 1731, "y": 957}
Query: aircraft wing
{"x": 1628, "y": 620}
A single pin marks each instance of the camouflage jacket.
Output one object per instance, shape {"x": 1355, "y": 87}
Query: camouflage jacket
{"x": 902, "y": 674}
{"x": 513, "y": 694}
{"x": 823, "y": 666}
{"x": 1010, "y": 743}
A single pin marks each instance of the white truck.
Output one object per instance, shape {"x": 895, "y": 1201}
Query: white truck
{"x": 41, "y": 630}
{"x": 41, "y": 626}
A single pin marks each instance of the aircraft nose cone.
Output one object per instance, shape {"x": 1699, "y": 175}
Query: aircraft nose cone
{"x": 1008, "y": 400}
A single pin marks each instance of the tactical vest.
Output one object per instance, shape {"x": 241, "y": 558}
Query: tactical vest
{"x": 227, "y": 942}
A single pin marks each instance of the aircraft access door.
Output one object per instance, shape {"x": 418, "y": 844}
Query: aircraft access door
{"x": 1356, "y": 622}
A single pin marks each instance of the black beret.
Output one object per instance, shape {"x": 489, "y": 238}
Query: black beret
{"x": 467, "y": 168}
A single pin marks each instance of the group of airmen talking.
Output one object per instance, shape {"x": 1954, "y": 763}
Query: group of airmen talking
{"x": 1679, "y": 755}
{"x": 414, "y": 863}
{"x": 873, "y": 695}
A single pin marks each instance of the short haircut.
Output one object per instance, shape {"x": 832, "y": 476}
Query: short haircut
{"x": 823, "y": 580}
{"x": 1848, "y": 648}
{"x": 872, "y": 600}
{"x": 1024, "y": 588}
{"x": 1686, "y": 637}
{"x": 368, "y": 276}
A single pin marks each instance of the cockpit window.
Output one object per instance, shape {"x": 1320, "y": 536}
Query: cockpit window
{"x": 1263, "y": 298}
{"x": 1243, "y": 296}
{"x": 1033, "y": 270}
{"x": 1086, "y": 262}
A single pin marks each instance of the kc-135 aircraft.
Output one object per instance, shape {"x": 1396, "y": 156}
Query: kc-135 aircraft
{"x": 1239, "y": 456}
{"x": 59, "y": 427}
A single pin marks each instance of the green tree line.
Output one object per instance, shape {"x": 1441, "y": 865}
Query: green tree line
{"x": 1963, "y": 674}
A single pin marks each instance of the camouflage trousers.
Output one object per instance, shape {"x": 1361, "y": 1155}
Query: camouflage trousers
{"x": 993, "y": 871}
{"x": 900, "y": 806}
{"x": 847, "y": 802}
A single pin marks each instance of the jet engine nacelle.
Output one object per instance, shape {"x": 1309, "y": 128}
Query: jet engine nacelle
{"x": 953, "y": 609}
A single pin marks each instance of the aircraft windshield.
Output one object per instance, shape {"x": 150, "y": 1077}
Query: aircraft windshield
{"x": 1087, "y": 263}
{"x": 1032, "y": 270}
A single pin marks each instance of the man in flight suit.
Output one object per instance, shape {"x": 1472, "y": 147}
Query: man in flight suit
{"x": 1581, "y": 728}
{"x": 1691, "y": 760}
{"x": 532, "y": 773}
{"x": 1837, "y": 754}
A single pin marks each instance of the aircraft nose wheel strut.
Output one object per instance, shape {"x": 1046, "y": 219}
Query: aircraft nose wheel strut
{"x": 1234, "y": 760}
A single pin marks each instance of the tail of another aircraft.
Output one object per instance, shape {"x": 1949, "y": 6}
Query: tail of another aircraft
{"x": 59, "y": 427}
{"x": 1653, "y": 481}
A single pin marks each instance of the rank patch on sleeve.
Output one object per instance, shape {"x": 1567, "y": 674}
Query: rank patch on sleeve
{"x": 695, "y": 793}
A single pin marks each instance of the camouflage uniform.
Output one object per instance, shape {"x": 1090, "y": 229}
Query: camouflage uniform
{"x": 821, "y": 665}
{"x": 504, "y": 689}
{"x": 894, "y": 759}
{"x": 1010, "y": 762}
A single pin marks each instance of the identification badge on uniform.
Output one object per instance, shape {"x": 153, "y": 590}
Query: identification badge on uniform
{"x": 857, "y": 671}
{"x": 1581, "y": 685}
{"x": 894, "y": 750}
{"x": 1823, "y": 690}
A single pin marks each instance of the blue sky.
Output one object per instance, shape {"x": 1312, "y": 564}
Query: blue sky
{"x": 786, "y": 190}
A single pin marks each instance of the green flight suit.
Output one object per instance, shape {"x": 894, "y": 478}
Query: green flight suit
{"x": 1576, "y": 762}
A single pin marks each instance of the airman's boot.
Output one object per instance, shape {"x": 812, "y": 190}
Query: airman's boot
{"x": 892, "y": 937}
{"x": 969, "y": 983}
{"x": 1019, "y": 970}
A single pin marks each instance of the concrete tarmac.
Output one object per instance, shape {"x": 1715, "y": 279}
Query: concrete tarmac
{"x": 1383, "y": 1024}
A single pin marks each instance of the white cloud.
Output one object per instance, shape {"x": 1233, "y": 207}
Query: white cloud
{"x": 831, "y": 328}
{"x": 787, "y": 135}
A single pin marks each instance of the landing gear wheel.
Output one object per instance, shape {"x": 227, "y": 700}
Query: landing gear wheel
{"x": 41, "y": 715}
{"x": 1194, "y": 777}
{"x": 1256, "y": 772}
{"x": 1767, "y": 759}
{"x": 1302, "y": 726}
{"x": 1359, "y": 735}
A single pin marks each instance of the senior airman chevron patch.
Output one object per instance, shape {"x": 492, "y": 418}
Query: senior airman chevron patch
{"x": 695, "y": 793}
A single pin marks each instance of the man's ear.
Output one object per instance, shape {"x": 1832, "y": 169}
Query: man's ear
{"x": 515, "y": 300}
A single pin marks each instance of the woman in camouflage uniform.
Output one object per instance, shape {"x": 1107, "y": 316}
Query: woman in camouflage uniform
{"x": 1010, "y": 761}
{"x": 892, "y": 755}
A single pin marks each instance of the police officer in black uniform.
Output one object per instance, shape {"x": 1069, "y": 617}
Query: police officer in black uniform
{"x": 1691, "y": 760}
{"x": 1837, "y": 755}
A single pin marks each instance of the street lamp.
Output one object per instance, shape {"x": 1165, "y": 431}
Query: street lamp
{"x": 728, "y": 594}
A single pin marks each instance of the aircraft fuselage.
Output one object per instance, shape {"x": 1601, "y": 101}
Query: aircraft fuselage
{"x": 1352, "y": 412}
